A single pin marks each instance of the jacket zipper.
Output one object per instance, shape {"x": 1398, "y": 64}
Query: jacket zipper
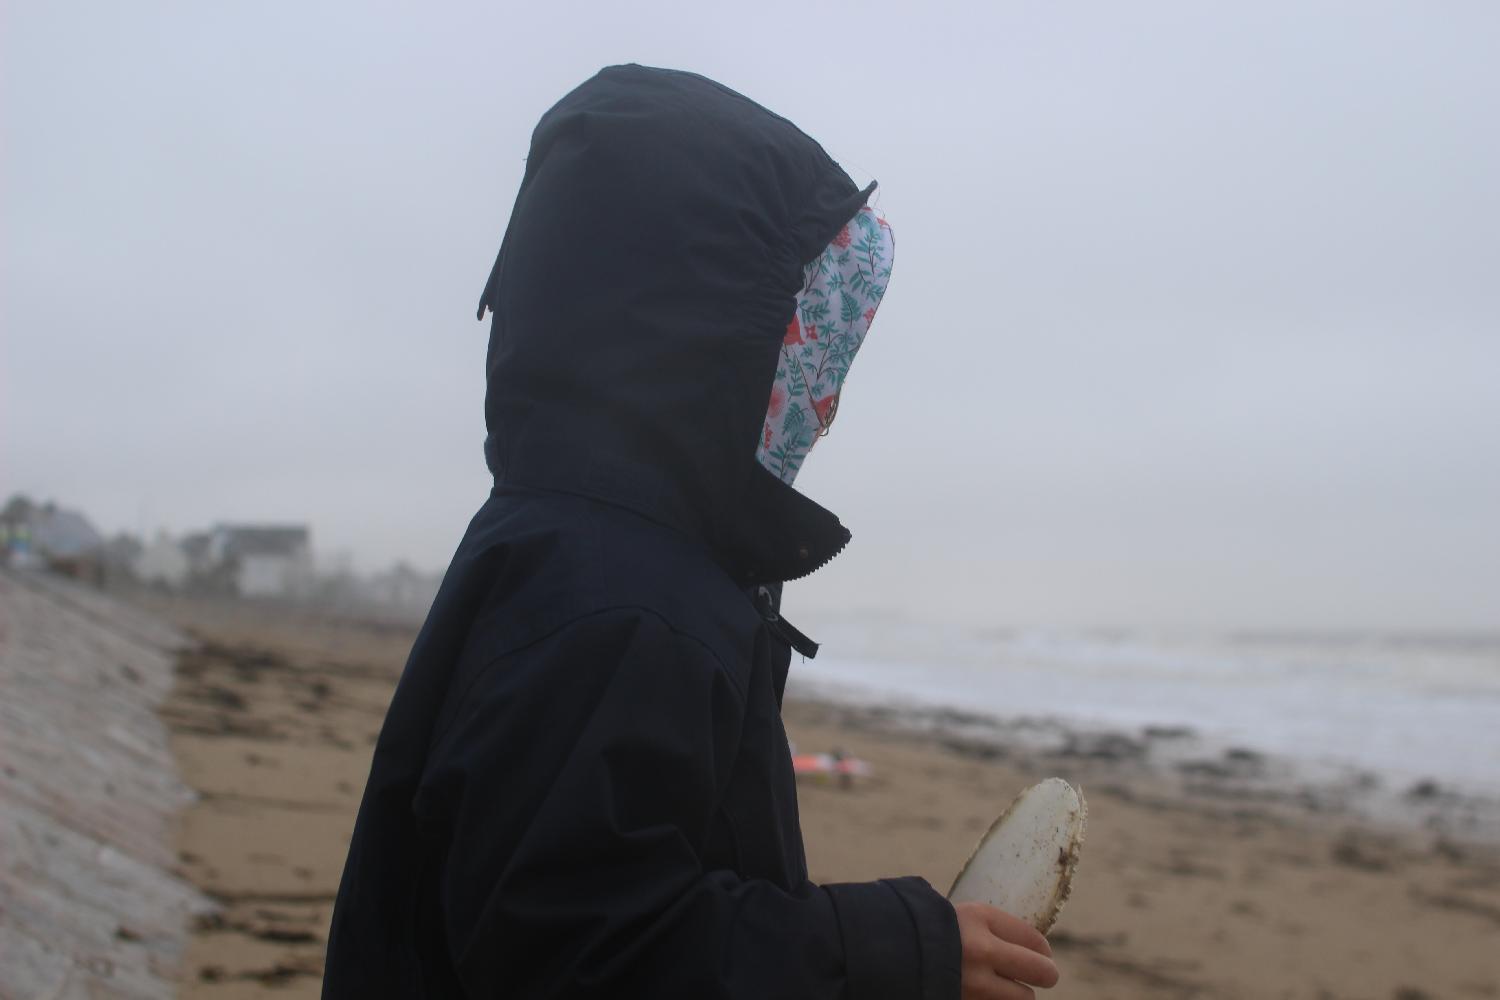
{"x": 783, "y": 629}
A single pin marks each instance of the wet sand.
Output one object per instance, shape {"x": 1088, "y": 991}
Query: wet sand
{"x": 1197, "y": 888}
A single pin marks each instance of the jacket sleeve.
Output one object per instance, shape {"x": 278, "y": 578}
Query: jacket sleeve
{"x": 571, "y": 797}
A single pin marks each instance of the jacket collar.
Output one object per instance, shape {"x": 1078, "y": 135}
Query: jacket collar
{"x": 779, "y": 535}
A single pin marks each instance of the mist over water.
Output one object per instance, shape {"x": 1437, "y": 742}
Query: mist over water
{"x": 1408, "y": 707}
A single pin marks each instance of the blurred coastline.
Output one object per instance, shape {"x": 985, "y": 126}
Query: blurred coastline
{"x": 1396, "y": 727}
{"x": 1227, "y": 874}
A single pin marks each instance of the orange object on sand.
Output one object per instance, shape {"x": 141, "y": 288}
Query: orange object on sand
{"x": 830, "y": 765}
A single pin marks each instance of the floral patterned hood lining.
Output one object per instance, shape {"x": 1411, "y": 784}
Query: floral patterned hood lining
{"x": 842, "y": 287}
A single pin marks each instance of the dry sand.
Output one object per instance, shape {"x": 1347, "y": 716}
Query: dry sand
{"x": 1195, "y": 890}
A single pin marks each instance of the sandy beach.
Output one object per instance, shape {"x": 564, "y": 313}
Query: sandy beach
{"x": 1197, "y": 884}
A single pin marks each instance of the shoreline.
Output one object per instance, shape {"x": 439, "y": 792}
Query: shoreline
{"x": 1185, "y": 760}
{"x": 1396, "y": 711}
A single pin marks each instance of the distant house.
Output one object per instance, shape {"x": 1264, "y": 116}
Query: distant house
{"x": 162, "y": 562}
{"x": 261, "y": 560}
{"x": 46, "y": 535}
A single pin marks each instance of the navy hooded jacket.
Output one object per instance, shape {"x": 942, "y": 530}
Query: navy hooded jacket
{"x": 582, "y": 787}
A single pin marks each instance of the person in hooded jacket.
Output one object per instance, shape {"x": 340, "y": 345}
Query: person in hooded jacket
{"x": 582, "y": 787}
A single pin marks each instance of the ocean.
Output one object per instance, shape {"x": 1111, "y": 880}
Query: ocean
{"x": 1406, "y": 711}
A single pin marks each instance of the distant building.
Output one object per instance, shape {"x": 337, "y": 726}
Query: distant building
{"x": 162, "y": 562}
{"x": 260, "y": 560}
{"x": 36, "y": 535}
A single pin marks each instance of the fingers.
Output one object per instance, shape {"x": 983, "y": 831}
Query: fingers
{"x": 1011, "y": 928}
{"x": 1022, "y": 964}
{"x": 1003, "y": 956}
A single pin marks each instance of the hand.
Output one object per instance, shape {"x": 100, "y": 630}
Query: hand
{"x": 1000, "y": 954}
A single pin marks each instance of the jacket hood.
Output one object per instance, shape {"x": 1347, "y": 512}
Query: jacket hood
{"x": 640, "y": 301}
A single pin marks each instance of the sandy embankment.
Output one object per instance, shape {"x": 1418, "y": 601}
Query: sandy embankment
{"x": 1186, "y": 890}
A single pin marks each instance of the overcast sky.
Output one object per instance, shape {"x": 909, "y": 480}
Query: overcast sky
{"x": 1195, "y": 317}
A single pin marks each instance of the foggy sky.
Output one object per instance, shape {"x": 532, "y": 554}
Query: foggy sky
{"x": 1195, "y": 316}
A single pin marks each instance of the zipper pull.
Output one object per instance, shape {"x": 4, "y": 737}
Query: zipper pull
{"x": 785, "y": 630}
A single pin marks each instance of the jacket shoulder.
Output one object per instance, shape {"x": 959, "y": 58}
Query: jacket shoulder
{"x": 547, "y": 560}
